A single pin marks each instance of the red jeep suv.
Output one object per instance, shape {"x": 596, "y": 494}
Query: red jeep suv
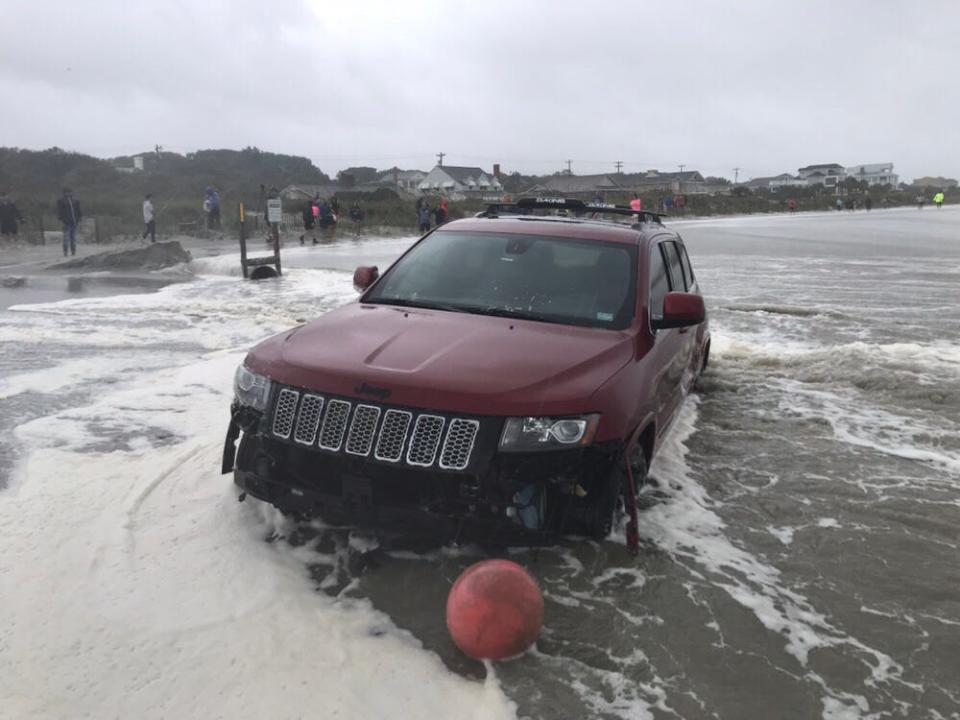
{"x": 507, "y": 379}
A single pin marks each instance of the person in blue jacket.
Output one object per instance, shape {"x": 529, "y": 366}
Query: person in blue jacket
{"x": 211, "y": 204}
{"x": 423, "y": 216}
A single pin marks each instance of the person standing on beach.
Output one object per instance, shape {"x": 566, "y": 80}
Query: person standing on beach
{"x": 356, "y": 216}
{"x": 68, "y": 211}
{"x": 149, "y": 219}
{"x": 938, "y": 199}
{"x": 211, "y": 207}
{"x": 10, "y": 217}
{"x": 215, "y": 208}
{"x": 309, "y": 211}
{"x": 423, "y": 217}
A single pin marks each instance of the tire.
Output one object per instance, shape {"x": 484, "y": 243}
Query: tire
{"x": 601, "y": 515}
{"x": 593, "y": 516}
{"x": 698, "y": 380}
{"x": 638, "y": 466}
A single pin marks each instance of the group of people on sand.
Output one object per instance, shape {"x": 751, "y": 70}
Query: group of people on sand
{"x": 438, "y": 214}
{"x": 10, "y": 217}
{"x": 68, "y": 212}
{"x": 852, "y": 203}
{"x": 211, "y": 213}
{"x": 324, "y": 215}
{"x": 665, "y": 206}
{"x": 937, "y": 200}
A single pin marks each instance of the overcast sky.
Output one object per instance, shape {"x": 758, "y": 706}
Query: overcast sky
{"x": 765, "y": 86}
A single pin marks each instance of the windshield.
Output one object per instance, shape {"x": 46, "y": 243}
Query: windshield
{"x": 548, "y": 279}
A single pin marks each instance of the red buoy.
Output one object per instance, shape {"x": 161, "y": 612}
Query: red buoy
{"x": 494, "y": 610}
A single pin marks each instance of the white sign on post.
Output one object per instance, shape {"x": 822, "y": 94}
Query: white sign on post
{"x": 274, "y": 210}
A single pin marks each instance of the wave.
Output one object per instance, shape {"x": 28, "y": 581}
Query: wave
{"x": 791, "y": 310}
{"x": 845, "y": 361}
{"x": 228, "y": 265}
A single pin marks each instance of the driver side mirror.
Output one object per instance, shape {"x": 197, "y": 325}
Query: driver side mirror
{"x": 680, "y": 309}
{"x": 365, "y": 276}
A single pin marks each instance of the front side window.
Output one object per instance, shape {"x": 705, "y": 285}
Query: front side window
{"x": 659, "y": 285}
{"x": 547, "y": 279}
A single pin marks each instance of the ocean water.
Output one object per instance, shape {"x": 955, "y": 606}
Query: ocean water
{"x": 799, "y": 557}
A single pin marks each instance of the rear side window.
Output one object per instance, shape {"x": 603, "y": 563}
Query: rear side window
{"x": 687, "y": 267}
{"x": 674, "y": 267}
{"x": 659, "y": 285}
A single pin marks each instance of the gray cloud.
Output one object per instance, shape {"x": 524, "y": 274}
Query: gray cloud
{"x": 766, "y": 86}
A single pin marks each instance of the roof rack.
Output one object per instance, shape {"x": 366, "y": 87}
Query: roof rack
{"x": 523, "y": 206}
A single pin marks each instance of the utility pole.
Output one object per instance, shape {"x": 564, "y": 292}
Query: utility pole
{"x": 681, "y": 166}
{"x": 619, "y": 166}
{"x": 440, "y": 159}
{"x": 569, "y": 171}
{"x": 157, "y": 149}
{"x": 736, "y": 175}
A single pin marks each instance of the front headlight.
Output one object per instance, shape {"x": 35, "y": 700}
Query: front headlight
{"x": 547, "y": 433}
{"x": 251, "y": 389}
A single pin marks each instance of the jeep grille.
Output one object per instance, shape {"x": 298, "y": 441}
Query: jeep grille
{"x": 284, "y": 414}
{"x": 427, "y": 432}
{"x": 459, "y": 444}
{"x": 388, "y": 434}
{"x": 334, "y": 424}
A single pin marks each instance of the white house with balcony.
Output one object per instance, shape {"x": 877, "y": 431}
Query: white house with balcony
{"x": 454, "y": 179}
{"x": 874, "y": 174}
{"x": 827, "y": 174}
{"x": 407, "y": 180}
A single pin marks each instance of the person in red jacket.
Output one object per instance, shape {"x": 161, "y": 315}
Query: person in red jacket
{"x": 636, "y": 204}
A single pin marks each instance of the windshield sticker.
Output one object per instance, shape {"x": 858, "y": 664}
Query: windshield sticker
{"x": 605, "y": 316}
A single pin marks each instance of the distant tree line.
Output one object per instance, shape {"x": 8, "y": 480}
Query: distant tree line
{"x": 35, "y": 179}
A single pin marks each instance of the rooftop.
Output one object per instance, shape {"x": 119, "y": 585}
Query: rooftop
{"x": 578, "y": 183}
{"x": 461, "y": 173}
{"x": 823, "y": 166}
{"x": 870, "y": 168}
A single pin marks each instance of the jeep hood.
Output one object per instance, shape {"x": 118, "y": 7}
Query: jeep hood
{"x": 448, "y": 361}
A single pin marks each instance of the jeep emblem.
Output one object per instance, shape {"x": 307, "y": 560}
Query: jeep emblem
{"x": 377, "y": 392}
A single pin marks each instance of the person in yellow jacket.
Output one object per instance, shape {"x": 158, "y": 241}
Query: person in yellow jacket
{"x": 938, "y": 199}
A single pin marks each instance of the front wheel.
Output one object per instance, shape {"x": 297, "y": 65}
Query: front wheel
{"x": 600, "y": 517}
{"x": 598, "y": 512}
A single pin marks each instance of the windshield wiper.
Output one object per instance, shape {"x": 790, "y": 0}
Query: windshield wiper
{"x": 426, "y": 304}
{"x": 510, "y": 313}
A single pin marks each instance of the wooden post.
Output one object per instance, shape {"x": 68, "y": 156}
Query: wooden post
{"x": 243, "y": 243}
{"x": 276, "y": 246}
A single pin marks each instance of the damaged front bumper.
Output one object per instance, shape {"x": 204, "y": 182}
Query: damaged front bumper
{"x": 505, "y": 499}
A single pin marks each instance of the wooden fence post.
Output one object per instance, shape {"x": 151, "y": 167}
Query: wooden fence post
{"x": 243, "y": 242}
